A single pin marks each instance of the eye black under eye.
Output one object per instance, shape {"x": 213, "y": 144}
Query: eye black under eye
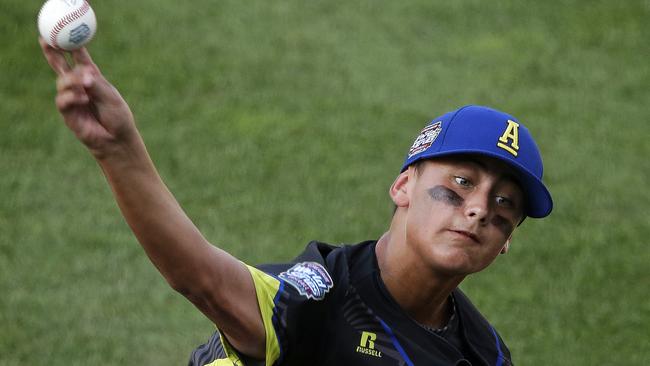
{"x": 503, "y": 224}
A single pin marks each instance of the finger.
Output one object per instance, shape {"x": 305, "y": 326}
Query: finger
{"x": 81, "y": 56}
{"x": 54, "y": 57}
{"x": 70, "y": 99}
{"x": 70, "y": 80}
{"x": 78, "y": 77}
{"x": 97, "y": 87}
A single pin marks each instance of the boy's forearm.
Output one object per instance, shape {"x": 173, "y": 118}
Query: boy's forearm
{"x": 216, "y": 282}
{"x": 170, "y": 239}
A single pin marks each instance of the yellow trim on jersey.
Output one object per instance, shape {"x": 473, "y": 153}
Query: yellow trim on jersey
{"x": 232, "y": 355}
{"x": 267, "y": 288}
{"x": 225, "y": 362}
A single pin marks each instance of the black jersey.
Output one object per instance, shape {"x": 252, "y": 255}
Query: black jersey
{"x": 330, "y": 307}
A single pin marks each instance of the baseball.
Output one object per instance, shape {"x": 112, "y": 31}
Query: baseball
{"x": 67, "y": 24}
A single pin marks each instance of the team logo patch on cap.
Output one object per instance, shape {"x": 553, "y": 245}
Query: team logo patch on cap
{"x": 426, "y": 138}
{"x": 310, "y": 279}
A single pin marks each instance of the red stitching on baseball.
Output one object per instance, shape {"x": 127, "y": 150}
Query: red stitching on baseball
{"x": 69, "y": 18}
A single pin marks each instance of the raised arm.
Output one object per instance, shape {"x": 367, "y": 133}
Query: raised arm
{"x": 217, "y": 283}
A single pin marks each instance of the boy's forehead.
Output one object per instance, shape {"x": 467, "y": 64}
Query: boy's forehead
{"x": 483, "y": 162}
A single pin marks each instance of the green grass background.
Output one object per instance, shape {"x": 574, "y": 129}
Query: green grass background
{"x": 275, "y": 123}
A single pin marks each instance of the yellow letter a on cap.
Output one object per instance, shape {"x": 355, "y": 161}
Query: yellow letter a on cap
{"x": 509, "y": 141}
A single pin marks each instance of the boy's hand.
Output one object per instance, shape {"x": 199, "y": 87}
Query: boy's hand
{"x": 91, "y": 107}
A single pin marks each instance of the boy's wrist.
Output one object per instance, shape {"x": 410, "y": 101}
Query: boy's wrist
{"x": 126, "y": 155}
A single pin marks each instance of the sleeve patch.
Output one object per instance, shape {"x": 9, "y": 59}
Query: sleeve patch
{"x": 310, "y": 279}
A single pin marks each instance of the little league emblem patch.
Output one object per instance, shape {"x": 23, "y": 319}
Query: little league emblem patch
{"x": 426, "y": 138}
{"x": 310, "y": 279}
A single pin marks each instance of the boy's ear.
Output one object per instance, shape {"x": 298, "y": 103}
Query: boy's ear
{"x": 399, "y": 189}
{"x": 506, "y": 246}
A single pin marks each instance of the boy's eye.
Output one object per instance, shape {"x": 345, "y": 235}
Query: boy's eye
{"x": 463, "y": 181}
{"x": 504, "y": 201}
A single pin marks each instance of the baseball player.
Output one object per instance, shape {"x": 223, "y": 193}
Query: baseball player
{"x": 469, "y": 179}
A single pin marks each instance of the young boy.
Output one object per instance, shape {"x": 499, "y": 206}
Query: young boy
{"x": 470, "y": 178}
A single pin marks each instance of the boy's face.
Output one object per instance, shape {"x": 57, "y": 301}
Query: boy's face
{"x": 460, "y": 211}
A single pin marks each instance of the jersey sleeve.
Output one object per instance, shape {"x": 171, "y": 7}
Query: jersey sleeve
{"x": 292, "y": 304}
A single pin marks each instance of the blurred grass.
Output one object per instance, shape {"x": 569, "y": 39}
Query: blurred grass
{"x": 278, "y": 123}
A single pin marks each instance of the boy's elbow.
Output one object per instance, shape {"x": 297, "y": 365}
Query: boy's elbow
{"x": 192, "y": 288}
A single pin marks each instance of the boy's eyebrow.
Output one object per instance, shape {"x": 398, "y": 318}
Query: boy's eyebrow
{"x": 506, "y": 175}
{"x": 476, "y": 162}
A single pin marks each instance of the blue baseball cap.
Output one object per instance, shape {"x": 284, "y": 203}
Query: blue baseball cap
{"x": 481, "y": 130}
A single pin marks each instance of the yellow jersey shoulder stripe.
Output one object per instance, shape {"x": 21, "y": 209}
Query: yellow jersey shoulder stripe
{"x": 267, "y": 288}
